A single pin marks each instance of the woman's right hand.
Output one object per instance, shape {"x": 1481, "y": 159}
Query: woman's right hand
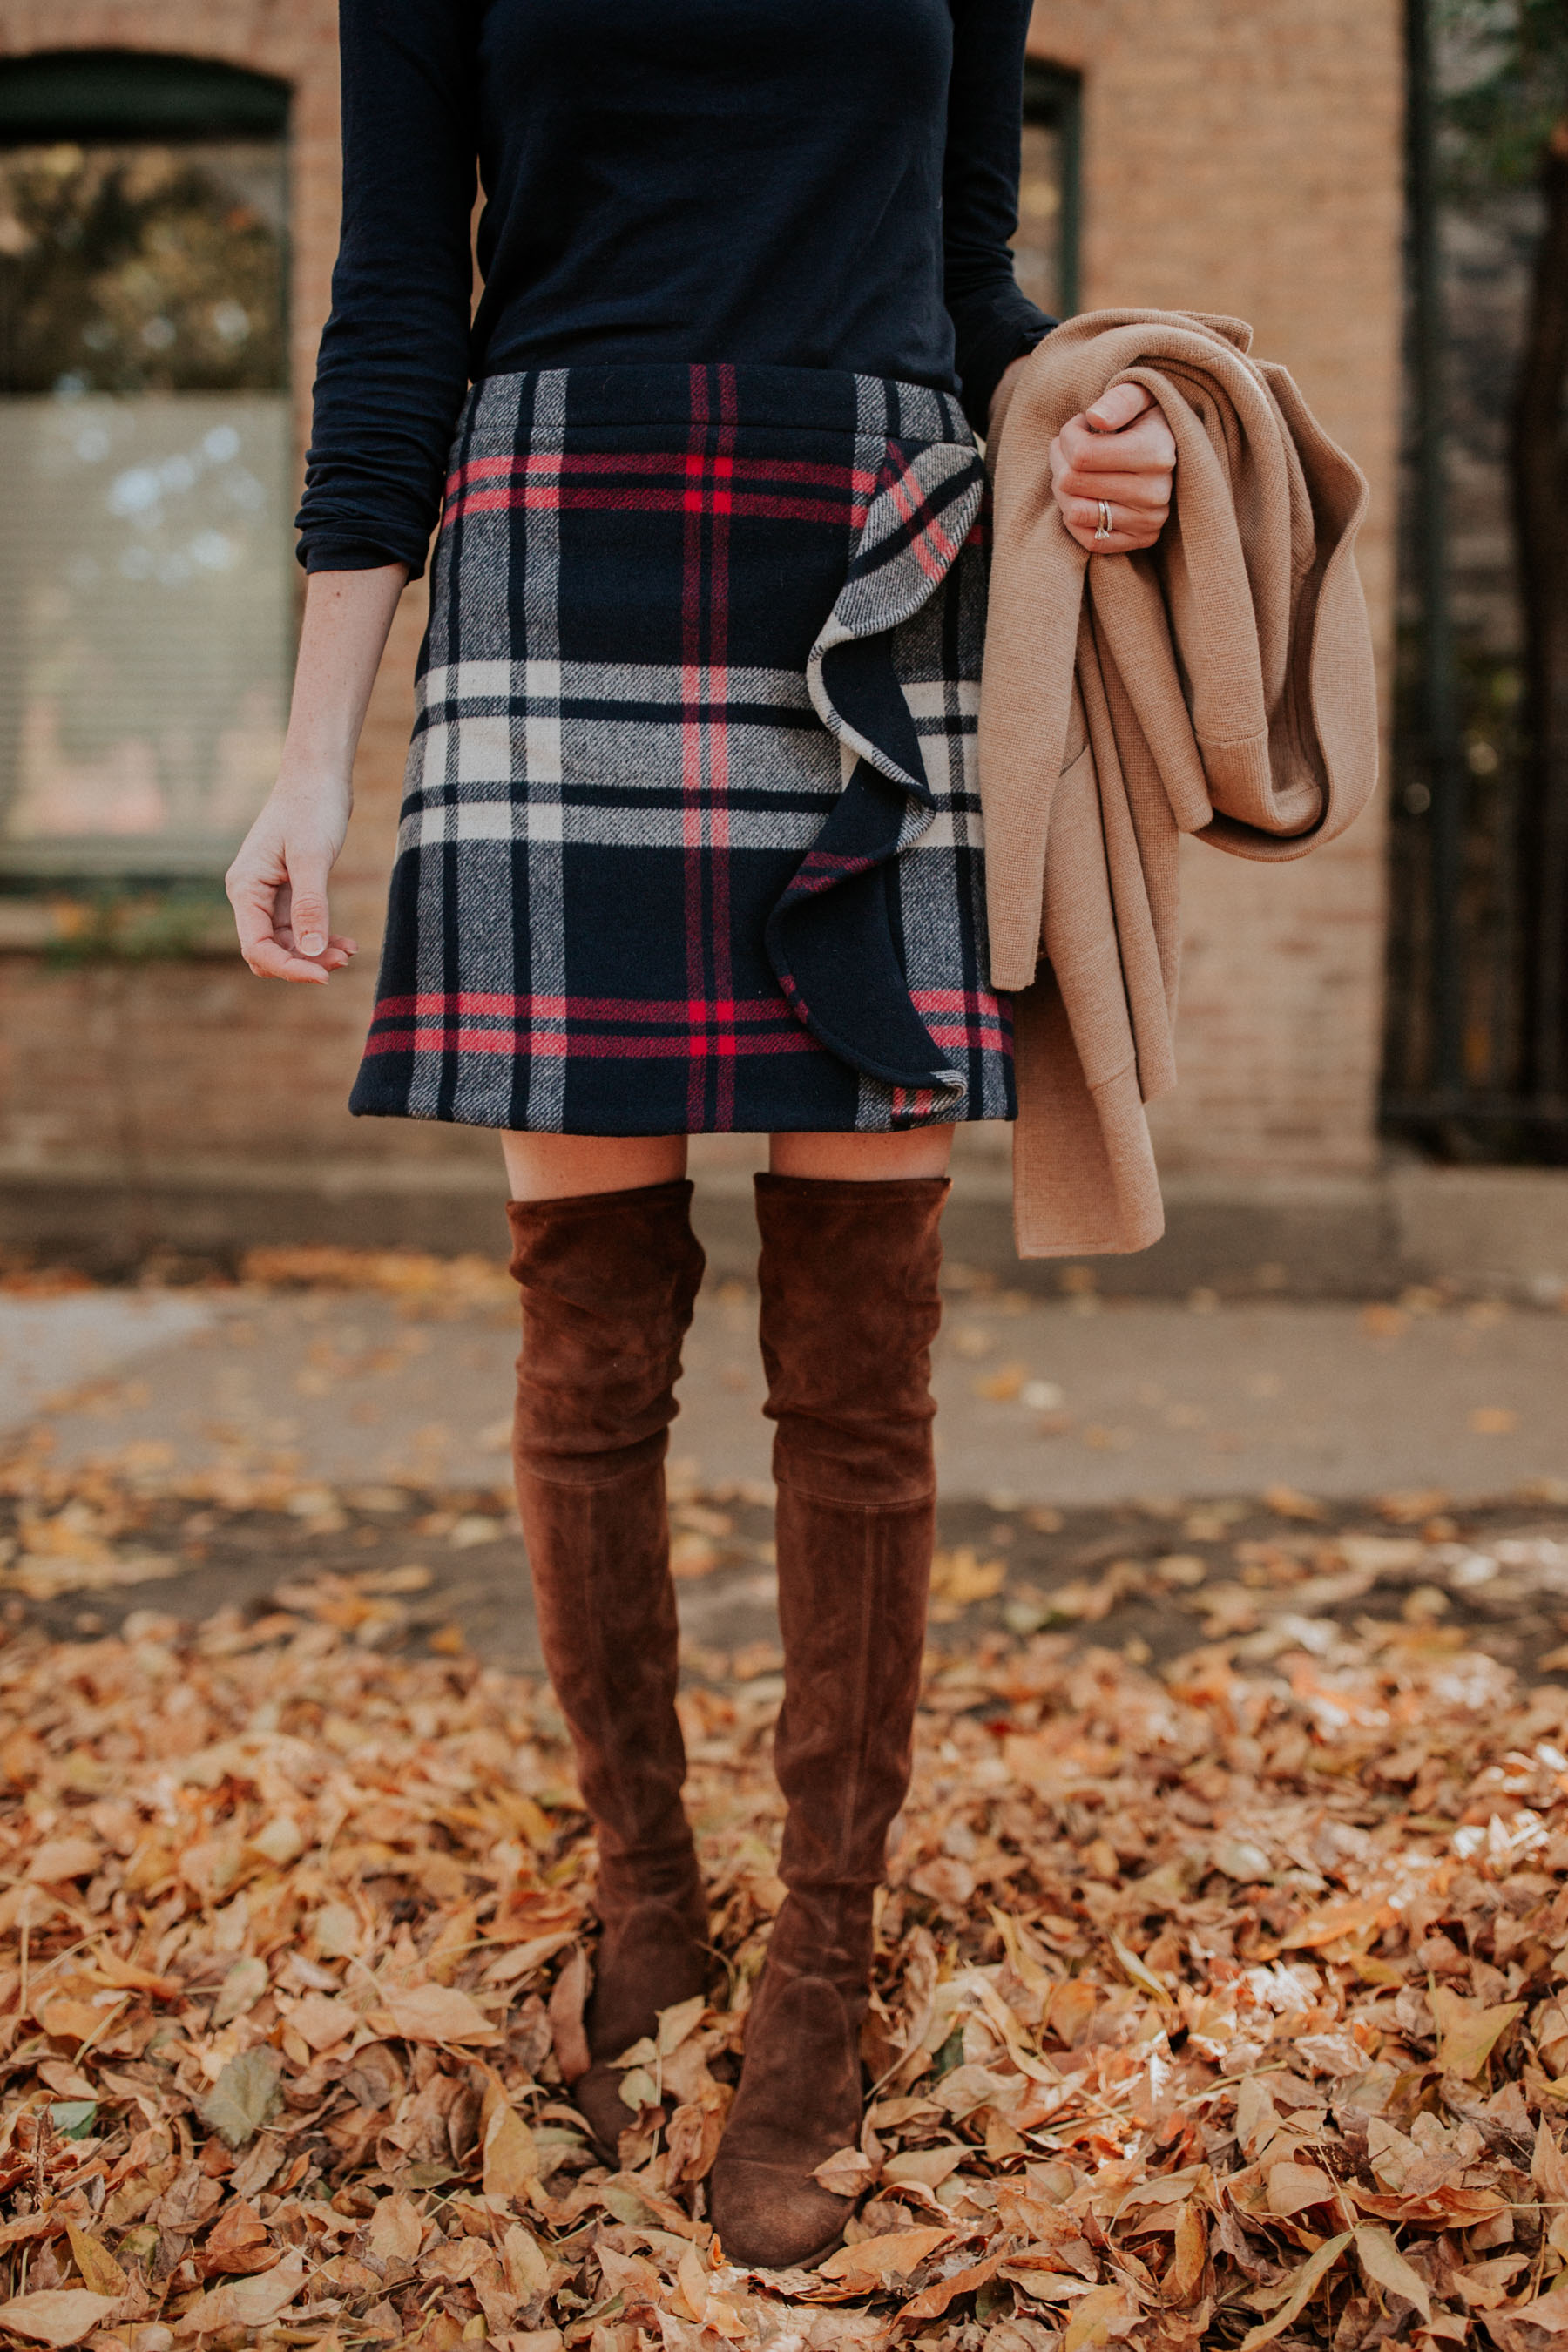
{"x": 277, "y": 885}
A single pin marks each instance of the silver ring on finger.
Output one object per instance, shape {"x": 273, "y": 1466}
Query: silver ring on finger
{"x": 1107, "y": 528}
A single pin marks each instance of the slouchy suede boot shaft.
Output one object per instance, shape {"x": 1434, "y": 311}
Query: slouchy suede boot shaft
{"x": 850, "y": 1305}
{"x": 609, "y": 1281}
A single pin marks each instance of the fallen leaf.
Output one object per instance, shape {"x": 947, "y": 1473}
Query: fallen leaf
{"x": 239, "y": 2242}
{"x": 930, "y": 2166}
{"x": 244, "y": 2095}
{"x": 1513, "y": 2329}
{"x": 1092, "y": 2321}
{"x": 1189, "y": 2253}
{"x": 962, "y": 1578}
{"x": 248, "y": 2303}
{"x": 127, "y": 1977}
{"x": 933, "y": 2301}
{"x": 58, "y": 2314}
{"x": 241, "y": 1989}
{"x": 677, "y": 2022}
{"x": 875, "y": 2259}
{"x": 322, "y": 2022}
{"x": 511, "y": 2155}
{"x": 1549, "y": 2166}
{"x": 526, "y": 2270}
{"x": 433, "y": 2013}
{"x": 1305, "y": 2285}
{"x": 1382, "y": 2262}
{"x": 1293, "y": 2187}
{"x": 62, "y": 1858}
{"x": 70, "y": 2020}
{"x": 1337, "y": 1922}
{"x": 1484, "y": 2285}
{"x": 566, "y": 2005}
{"x": 844, "y": 2173}
{"x": 100, "y": 2271}
{"x": 692, "y": 1556}
{"x": 1467, "y": 2031}
{"x": 73, "y": 2118}
{"x": 395, "y": 2231}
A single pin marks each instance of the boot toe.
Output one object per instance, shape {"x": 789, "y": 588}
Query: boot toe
{"x": 768, "y": 2217}
{"x": 596, "y": 2095}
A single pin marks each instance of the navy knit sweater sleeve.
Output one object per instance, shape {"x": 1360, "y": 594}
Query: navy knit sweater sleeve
{"x": 789, "y": 182}
{"x": 994, "y": 320}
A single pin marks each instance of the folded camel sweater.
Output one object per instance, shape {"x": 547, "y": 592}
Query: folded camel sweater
{"x": 1220, "y": 685}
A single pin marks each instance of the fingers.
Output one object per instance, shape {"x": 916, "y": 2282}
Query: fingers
{"x": 269, "y": 959}
{"x": 1144, "y": 494}
{"x": 1146, "y": 448}
{"x": 1120, "y": 453}
{"x": 265, "y": 918}
{"x": 275, "y": 957}
{"x": 1116, "y": 409}
{"x": 252, "y": 898}
{"x": 1128, "y": 532}
{"x": 308, "y": 900}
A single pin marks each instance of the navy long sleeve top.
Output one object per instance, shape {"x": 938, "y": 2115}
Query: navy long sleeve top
{"x": 805, "y": 183}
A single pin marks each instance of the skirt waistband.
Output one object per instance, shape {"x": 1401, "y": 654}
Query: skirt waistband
{"x": 722, "y": 393}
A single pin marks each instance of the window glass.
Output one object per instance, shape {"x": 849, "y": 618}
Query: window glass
{"x": 1036, "y": 246}
{"x": 145, "y": 443}
{"x": 1046, "y": 246}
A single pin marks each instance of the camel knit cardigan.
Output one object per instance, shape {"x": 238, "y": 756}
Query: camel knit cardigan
{"x": 1221, "y": 685}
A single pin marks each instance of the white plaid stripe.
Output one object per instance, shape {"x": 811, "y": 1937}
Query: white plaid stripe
{"x": 542, "y": 654}
{"x": 642, "y": 828}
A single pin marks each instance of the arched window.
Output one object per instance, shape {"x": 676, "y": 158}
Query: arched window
{"x": 1047, "y": 244}
{"x": 145, "y": 448}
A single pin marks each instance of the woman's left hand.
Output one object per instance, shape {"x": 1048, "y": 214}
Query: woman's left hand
{"x": 1120, "y": 454}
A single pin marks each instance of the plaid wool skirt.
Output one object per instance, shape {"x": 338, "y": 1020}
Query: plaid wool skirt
{"x": 691, "y": 839}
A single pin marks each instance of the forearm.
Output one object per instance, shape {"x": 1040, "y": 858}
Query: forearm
{"x": 348, "y": 616}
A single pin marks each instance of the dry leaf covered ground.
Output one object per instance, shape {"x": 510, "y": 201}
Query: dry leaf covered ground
{"x": 1222, "y": 1990}
{"x": 1219, "y": 1999}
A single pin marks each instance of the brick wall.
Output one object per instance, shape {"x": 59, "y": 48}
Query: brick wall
{"x": 1240, "y": 155}
{"x": 194, "y": 1060}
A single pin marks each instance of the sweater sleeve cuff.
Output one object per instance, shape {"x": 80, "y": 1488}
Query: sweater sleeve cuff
{"x": 988, "y": 362}
{"x": 328, "y": 551}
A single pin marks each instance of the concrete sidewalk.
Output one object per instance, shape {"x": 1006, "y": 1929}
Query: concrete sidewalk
{"x": 1078, "y": 1402}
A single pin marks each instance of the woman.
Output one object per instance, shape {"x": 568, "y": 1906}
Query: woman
{"x": 690, "y": 836}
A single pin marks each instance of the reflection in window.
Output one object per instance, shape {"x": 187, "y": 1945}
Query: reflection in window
{"x": 145, "y": 587}
{"x": 1046, "y": 246}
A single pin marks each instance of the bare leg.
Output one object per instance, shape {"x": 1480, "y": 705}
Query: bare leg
{"x": 560, "y": 1167}
{"x": 862, "y": 1159}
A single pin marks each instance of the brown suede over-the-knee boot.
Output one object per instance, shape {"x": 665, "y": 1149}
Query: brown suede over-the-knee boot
{"x": 850, "y": 1306}
{"x": 608, "y": 1280}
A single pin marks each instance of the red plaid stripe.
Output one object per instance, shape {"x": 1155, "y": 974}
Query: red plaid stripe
{"x": 697, "y": 1029}
{"x": 722, "y": 484}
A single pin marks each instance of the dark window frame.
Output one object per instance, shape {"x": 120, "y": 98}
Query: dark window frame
{"x": 1053, "y": 97}
{"x": 82, "y": 95}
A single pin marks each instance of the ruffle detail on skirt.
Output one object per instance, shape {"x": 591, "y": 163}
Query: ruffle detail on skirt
{"x": 830, "y": 937}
